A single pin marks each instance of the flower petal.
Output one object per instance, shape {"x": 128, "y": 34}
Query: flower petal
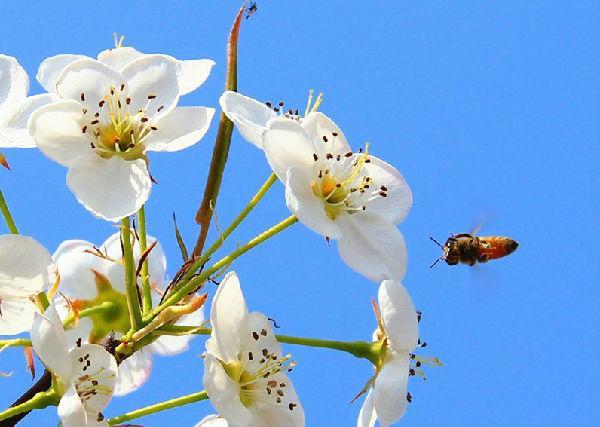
{"x": 224, "y": 393}
{"x": 111, "y": 189}
{"x": 83, "y": 328}
{"x": 56, "y": 129}
{"x": 119, "y": 57}
{"x": 317, "y": 125}
{"x": 212, "y": 421}
{"x": 399, "y": 316}
{"x": 249, "y": 115}
{"x": 95, "y": 369}
{"x": 259, "y": 337}
{"x": 152, "y": 81}
{"x": 367, "y": 415}
{"x": 372, "y": 246}
{"x": 389, "y": 391}
{"x": 134, "y": 372}
{"x": 51, "y": 67}
{"x": 280, "y": 411}
{"x": 76, "y": 266}
{"x": 286, "y": 144}
{"x": 180, "y": 129}
{"x": 14, "y": 83}
{"x": 229, "y": 319}
{"x": 49, "y": 342}
{"x": 88, "y": 81}
{"x": 24, "y": 266}
{"x": 71, "y": 410}
{"x": 168, "y": 345}
{"x": 13, "y": 129}
{"x": 399, "y": 198}
{"x": 194, "y": 72}
{"x": 17, "y": 315}
{"x": 306, "y": 206}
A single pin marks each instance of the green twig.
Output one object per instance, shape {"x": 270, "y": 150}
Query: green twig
{"x": 10, "y": 223}
{"x": 162, "y": 406}
{"x": 39, "y": 401}
{"x": 133, "y": 298}
{"x": 146, "y": 291}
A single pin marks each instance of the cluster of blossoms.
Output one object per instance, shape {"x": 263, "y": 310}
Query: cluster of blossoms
{"x": 100, "y": 119}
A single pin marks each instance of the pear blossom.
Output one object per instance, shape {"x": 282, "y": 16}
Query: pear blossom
{"x": 25, "y": 270}
{"x": 86, "y": 374}
{"x": 244, "y": 367}
{"x": 90, "y": 276}
{"x": 354, "y": 198}
{"x": 15, "y": 105}
{"x": 105, "y": 123}
{"x": 388, "y": 399}
{"x": 191, "y": 73}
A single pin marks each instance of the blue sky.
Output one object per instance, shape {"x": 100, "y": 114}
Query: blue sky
{"x": 489, "y": 109}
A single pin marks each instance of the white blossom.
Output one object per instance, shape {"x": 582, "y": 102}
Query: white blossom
{"x": 86, "y": 374}
{"x": 25, "y": 269}
{"x": 105, "y": 123}
{"x": 244, "y": 367}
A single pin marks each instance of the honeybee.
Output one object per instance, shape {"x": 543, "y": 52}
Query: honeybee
{"x": 470, "y": 249}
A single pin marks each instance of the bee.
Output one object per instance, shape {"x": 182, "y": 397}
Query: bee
{"x": 470, "y": 249}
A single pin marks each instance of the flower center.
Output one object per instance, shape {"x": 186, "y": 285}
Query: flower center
{"x": 114, "y": 129}
{"x": 343, "y": 183}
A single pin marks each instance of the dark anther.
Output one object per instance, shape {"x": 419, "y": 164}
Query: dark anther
{"x": 82, "y": 96}
{"x": 408, "y": 397}
{"x": 315, "y": 157}
{"x": 151, "y": 96}
{"x": 325, "y": 138}
{"x": 255, "y": 336}
{"x": 101, "y": 103}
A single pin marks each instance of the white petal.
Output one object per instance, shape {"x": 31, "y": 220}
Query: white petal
{"x": 317, "y": 125}
{"x": 71, "y": 410}
{"x": 270, "y": 413}
{"x": 56, "y": 129}
{"x": 306, "y": 206}
{"x": 399, "y": 316}
{"x": 88, "y": 81}
{"x": 367, "y": 415}
{"x": 134, "y": 372}
{"x": 91, "y": 362}
{"x": 16, "y": 315}
{"x": 287, "y": 145}
{"x": 119, "y": 57}
{"x": 24, "y": 266}
{"x": 180, "y": 129}
{"x": 153, "y": 76}
{"x": 49, "y": 342}
{"x": 372, "y": 246}
{"x": 212, "y": 421}
{"x": 13, "y": 129}
{"x": 399, "y": 198}
{"x": 224, "y": 393}
{"x": 111, "y": 189}
{"x": 51, "y": 67}
{"x": 194, "y": 72}
{"x": 389, "y": 392}
{"x": 167, "y": 345}
{"x": 249, "y": 115}
{"x": 76, "y": 266}
{"x": 259, "y": 336}
{"x": 81, "y": 331}
{"x": 229, "y": 319}
{"x": 14, "y": 83}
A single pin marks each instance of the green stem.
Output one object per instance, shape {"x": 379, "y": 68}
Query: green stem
{"x": 39, "y": 401}
{"x": 133, "y": 299}
{"x": 162, "y": 406}
{"x": 222, "y": 143}
{"x": 193, "y": 284}
{"x": 146, "y": 291}
{"x": 360, "y": 349}
{"x": 16, "y": 342}
{"x": 219, "y": 242}
{"x": 7, "y": 216}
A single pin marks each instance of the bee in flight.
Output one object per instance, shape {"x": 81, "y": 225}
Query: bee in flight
{"x": 470, "y": 249}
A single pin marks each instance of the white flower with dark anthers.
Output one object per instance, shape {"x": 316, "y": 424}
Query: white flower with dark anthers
{"x": 398, "y": 333}
{"x": 25, "y": 270}
{"x": 90, "y": 276}
{"x": 244, "y": 367}
{"x": 86, "y": 374}
{"x": 15, "y": 106}
{"x": 192, "y": 72}
{"x": 106, "y": 122}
